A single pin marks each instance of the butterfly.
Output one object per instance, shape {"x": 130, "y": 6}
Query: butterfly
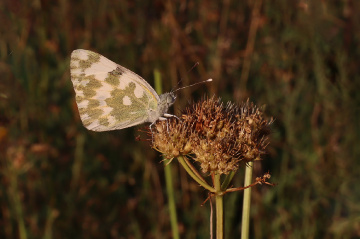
{"x": 111, "y": 97}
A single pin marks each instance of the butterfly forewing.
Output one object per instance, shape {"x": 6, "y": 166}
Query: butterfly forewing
{"x": 108, "y": 95}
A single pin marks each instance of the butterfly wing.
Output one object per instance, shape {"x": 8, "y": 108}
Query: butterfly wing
{"x": 108, "y": 95}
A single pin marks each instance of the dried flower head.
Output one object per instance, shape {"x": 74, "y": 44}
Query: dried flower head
{"x": 217, "y": 136}
{"x": 171, "y": 138}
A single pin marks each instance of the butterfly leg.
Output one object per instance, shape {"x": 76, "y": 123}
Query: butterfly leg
{"x": 152, "y": 135}
{"x": 165, "y": 119}
{"x": 170, "y": 115}
{"x": 162, "y": 119}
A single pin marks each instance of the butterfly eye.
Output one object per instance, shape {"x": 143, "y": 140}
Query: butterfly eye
{"x": 170, "y": 99}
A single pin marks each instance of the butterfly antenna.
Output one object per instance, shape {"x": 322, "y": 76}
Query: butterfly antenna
{"x": 208, "y": 80}
{"x": 195, "y": 65}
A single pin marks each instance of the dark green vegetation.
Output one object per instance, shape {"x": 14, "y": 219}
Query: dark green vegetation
{"x": 301, "y": 59}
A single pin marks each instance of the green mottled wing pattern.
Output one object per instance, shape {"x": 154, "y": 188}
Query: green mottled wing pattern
{"x": 108, "y": 95}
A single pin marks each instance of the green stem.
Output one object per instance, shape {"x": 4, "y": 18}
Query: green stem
{"x": 194, "y": 175}
{"x": 194, "y": 169}
{"x": 227, "y": 180}
{"x": 219, "y": 208}
{"x": 171, "y": 198}
{"x": 14, "y": 194}
{"x": 246, "y": 203}
{"x": 168, "y": 175}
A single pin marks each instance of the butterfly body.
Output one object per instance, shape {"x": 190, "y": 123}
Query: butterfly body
{"x": 111, "y": 97}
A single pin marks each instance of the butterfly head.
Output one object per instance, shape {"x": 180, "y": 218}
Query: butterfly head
{"x": 167, "y": 99}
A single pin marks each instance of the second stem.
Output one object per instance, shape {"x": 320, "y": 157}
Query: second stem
{"x": 219, "y": 208}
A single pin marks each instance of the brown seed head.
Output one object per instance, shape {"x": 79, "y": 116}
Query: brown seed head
{"x": 218, "y": 136}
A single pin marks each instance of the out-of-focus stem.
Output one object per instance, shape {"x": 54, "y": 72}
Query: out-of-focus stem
{"x": 246, "y": 203}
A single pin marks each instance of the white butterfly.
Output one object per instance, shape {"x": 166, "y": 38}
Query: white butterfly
{"x": 111, "y": 97}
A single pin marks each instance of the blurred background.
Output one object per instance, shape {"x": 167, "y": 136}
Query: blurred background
{"x": 299, "y": 58}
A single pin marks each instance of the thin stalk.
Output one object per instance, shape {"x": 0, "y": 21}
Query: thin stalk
{"x": 194, "y": 169}
{"x": 227, "y": 180}
{"x": 194, "y": 175}
{"x": 168, "y": 175}
{"x": 246, "y": 203}
{"x": 171, "y": 199}
{"x": 14, "y": 194}
{"x": 219, "y": 202}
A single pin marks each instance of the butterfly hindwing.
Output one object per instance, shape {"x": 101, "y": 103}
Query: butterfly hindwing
{"x": 108, "y": 95}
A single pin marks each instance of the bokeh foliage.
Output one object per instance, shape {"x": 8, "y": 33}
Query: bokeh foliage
{"x": 300, "y": 58}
